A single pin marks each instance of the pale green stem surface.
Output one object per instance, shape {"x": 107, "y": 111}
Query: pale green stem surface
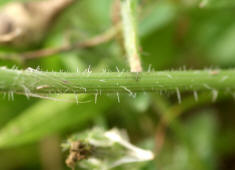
{"x": 128, "y": 11}
{"x": 32, "y": 81}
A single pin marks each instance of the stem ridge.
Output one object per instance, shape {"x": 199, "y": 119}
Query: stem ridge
{"x": 33, "y": 81}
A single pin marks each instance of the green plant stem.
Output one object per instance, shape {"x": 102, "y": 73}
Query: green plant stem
{"x": 33, "y": 81}
{"x": 128, "y": 10}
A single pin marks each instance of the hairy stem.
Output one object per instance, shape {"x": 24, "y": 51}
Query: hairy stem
{"x": 32, "y": 81}
{"x": 128, "y": 10}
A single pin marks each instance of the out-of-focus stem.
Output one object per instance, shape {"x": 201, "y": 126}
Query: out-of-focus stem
{"x": 89, "y": 43}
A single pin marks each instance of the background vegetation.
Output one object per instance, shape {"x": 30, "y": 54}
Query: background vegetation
{"x": 186, "y": 130}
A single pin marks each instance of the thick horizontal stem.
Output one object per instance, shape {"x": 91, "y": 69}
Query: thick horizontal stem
{"x": 33, "y": 81}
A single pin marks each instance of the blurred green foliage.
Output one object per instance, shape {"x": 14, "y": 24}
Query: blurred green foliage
{"x": 191, "y": 34}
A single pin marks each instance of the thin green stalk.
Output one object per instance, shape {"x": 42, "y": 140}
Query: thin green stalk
{"x": 128, "y": 10}
{"x": 33, "y": 81}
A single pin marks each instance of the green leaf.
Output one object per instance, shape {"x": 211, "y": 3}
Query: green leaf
{"x": 159, "y": 16}
{"x": 48, "y": 117}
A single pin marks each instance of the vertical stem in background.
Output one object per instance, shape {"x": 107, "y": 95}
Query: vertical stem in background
{"x": 129, "y": 17}
{"x": 51, "y": 157}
